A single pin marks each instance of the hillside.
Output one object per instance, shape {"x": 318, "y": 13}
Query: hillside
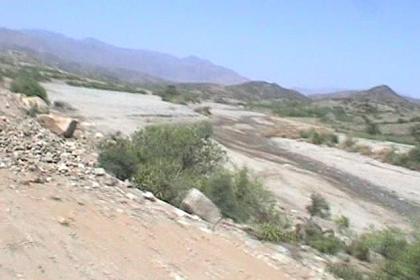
{"x": 381, "y": 94}
{"x": 128, "y": 64}
{"x": 253, "y": 91}
{"x": 260, "y": 90}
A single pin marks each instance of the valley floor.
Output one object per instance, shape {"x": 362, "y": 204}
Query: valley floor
{"x": 80, "y": 227}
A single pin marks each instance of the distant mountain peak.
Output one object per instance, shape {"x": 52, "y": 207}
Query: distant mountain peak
{"x": 93, "y": 53}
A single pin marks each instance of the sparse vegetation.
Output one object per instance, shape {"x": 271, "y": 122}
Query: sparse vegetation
{"x": 345, "y": 271}
{"x": 303, "y": 110}
{"x": 342, "y": 222}
{"x": 172, "y": 94}
{"x": 415, "y": 132}
{"x": 241, "y": 198}
{"x": 319, "y": 206}
{"x": 359, "y": 249}
{"x": 24, "y": 83}
{"x": 389, "y": 242}
{"x": 409, "y": 160}
{"x": 372, "y": 128}
{"x": 105, "y": 86}
{"x": 118, "y": 157}
{"x": 275, "y": 233}
{"x": 319, "y": 138}
{"x": 325, "y": 243}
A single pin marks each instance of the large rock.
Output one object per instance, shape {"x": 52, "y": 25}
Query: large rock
{"x": 195, "y": 202}
{"x": 59, "y": 125}
{"x": 34, "y": 104}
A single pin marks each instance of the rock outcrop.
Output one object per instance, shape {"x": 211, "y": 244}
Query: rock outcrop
{"x": 59, "y": 125}
{"x": 195, "y": 202}
{"x": 34, "y": 104}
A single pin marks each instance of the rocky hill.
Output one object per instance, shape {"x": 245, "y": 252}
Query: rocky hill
{"x": 260, "y": 90}
{"x": 381, "y": 94}
{"x": 253, "y": 91}
{"x": 130, "y": 64}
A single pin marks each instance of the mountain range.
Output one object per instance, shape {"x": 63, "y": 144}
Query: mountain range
{"x": 134, "y": 65}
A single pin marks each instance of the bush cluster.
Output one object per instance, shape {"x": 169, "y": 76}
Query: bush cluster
{"x": 409, "y": 160}
{"x": 319, "y": 138}
{"x": 25, "y": 83}
{"x": 173, "y": 95}
{"x": 345, "y": 271}
{"x": 328, "y": 244}
{"x": 401, "y": 258}
{"x": 168, "y": 160}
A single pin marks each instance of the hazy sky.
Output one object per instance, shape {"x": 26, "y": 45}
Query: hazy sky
{"x": 307, "y": 44}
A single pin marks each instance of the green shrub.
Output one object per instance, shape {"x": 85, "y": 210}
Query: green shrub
{"x": 27, "y": 85}
{"x": 345, "y": 271}
{"x": 241, "y": 198}
{"x": 319, "y": 138}
{"x": 404, "y": 267}
{"x": 172, "y": 94}
{"x": 359, "y": 249}
{"x": 118, "y": 158}
{"x": 371, "y": 127}
{"x": 319, "y": 206}
{"x": 174, "y": 158}
{"x": 389, "y": 243}
{"x": 328, "y": 244}
{"x": 342, "y": 222}
{"x": 275, "y": 233}
{"x": 168, "y": 160}
{"x": 409, "y": 160}
{"x": 415, "y": 132}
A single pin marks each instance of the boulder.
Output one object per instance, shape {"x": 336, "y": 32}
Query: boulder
{"x": 59, "y": 125}
{"x": 195, "y": 202}
{"x": 34, "y": 104}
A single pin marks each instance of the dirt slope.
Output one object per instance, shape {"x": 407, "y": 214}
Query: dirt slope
{"x": 111, "y": 237}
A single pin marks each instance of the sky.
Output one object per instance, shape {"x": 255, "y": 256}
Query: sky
{"x": 317, "y": 45}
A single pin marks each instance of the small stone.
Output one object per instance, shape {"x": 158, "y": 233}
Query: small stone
{"x": 131, "y": 196}
{"x": 149, "y": 196}
{"x": 99, "y": 171}
{"x": 110, "y": 181}
{"x": 56, "y": 198}
{"x": 99, "y": 135}
{"x": 63, "y": 221}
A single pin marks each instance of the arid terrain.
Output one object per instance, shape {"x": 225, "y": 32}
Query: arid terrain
{"x": 369, "y": 192}
{"x": 63, "y": 215}
{"x": 63, "y": 218}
